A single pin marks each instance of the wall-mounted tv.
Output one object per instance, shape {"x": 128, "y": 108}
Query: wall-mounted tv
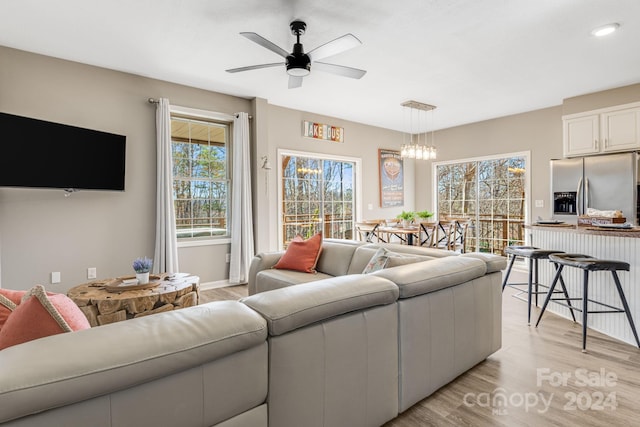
{"x": 41, "y": 154}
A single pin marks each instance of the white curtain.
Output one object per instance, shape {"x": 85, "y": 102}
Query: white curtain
{"x": 165, "y": 258}
{"x": 241, "y": 211}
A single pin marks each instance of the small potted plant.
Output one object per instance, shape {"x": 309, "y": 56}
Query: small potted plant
{"x": 424, "y": 215}
{"x": 142, "y": 266}
{"x": 406, "y": 217}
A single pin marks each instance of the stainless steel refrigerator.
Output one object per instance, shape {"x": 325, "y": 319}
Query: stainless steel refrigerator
{"x": 607, "y": 182}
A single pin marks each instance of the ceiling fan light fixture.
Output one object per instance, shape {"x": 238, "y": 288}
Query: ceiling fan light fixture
{"x": 297, "y": 71}
{"x": 298, "y": 65}
{"x": 605, "y": 30}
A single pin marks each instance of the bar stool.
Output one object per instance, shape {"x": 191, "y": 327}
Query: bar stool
{"x": 533, "y": 254}
{"x": 587, "y": 264}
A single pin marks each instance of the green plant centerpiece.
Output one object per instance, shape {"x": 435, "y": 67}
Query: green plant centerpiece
{"x": 406, "y": 217}
{"x": 142, "y": 266}
{"x": 424, "y": 214}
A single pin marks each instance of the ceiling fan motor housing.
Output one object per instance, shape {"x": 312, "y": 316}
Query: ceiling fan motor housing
{"x": 298, "y": 63}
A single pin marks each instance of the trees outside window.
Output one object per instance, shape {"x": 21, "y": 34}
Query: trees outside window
{"x": 200, "y": 177}
{"x": 317, "y": 195}
{"x": 492, "y": 192}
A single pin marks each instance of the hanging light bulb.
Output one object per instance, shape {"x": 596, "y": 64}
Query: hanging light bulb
{"x": 415, "y": 150}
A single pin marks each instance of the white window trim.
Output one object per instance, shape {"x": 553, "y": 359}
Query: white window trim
{"x": 197, "y": 113}
{"x": 358, "y": 182}
{"x": 203, "y": 242}
{"x": 210, "y": 115}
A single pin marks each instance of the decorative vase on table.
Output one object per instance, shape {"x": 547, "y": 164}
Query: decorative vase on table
{"x": 142, "y": 266}
{"x": 143, "y": 278}
{"x": 406, "y": 223}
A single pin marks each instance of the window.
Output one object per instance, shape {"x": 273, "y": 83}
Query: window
{"x": 318, "y": 194}
{"x": 492, "y": 193}
{"x": 200, "y": 177}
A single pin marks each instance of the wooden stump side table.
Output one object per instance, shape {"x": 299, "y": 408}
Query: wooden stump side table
{"x": 102, "y": 307}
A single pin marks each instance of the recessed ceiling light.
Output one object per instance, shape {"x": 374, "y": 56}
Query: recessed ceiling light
{"x": 605, "y": 30}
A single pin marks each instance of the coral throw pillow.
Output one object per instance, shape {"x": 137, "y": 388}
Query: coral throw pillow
{"x": 39, "y": 315}
{"x": 9, "y": 300}
{"x": 301, "y": 255}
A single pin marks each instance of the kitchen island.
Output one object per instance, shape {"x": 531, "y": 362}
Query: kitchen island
{"x": 615, "y": 244}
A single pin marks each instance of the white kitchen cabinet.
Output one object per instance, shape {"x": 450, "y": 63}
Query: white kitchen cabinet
{"x": 602, "y": 131}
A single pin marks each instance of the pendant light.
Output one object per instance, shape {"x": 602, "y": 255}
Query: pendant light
{"x": 414, "y": 149}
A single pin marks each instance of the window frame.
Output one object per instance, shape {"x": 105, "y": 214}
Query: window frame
{"x": 222, "y": 118}
{"x": 357, "y": 197}
{"x": 527, "y": 182}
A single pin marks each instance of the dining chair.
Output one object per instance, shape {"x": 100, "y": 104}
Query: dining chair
{"x": 428, "y": 232}
{"x": 444, "y": 234}
{"x": 369, "y": 232}
{"x": 459, "y": 235}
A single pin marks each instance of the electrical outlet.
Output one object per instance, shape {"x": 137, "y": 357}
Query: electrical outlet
{"x": 55, "y": 277}
{"x": 539, "y": 203}
{"x": 228, "y": 257}
{"x": 92, "y": 273}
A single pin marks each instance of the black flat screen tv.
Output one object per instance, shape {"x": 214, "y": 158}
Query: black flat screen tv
{"x": 40, "y": 154}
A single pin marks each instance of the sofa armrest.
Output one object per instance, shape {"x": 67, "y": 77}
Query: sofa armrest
{"x": 67, "y": 368}
{"x": 294, "y": 307}
{"x": 262, "y": 261}
{"x": 494, "y": 262}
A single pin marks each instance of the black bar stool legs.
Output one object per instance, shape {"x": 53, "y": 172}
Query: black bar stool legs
{"x": 587, "y": 264}
{"x": 533, "y": 254}
{"x": 625, "y": 305}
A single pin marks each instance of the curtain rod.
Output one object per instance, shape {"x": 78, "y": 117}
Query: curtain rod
{"x": 155, "y": 101}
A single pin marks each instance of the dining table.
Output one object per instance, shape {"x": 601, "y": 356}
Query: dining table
{"x": 405, "y": 234}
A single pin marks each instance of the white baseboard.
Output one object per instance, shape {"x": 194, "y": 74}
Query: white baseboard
{"x": 214, "y": 285}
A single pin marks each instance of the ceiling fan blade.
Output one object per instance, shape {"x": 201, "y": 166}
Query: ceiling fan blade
{"x": 340, "y": 70}
{"x": 254, "y": 67}
{"x": 256, "y": 38}
{"x": 334, "y": 47}
{"x": 295, "y": 81}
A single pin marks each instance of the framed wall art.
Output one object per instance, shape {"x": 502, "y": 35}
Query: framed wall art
{"x": 391, "y": 172}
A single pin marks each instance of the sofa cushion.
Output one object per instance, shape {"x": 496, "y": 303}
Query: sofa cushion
{"x": 267, "y": 280}
{"x": 301, "y": 255}
{"x": 396, "y": 260}
{"x": 429, "y": 276}
{"x": 298, "y": 306}
{"x": 39, "y": 315}
{"x": 336, "y": 257}
{"x": 364, "y": 253}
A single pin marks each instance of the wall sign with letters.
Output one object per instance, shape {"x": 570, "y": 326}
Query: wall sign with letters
{"x": 324, "y": 132}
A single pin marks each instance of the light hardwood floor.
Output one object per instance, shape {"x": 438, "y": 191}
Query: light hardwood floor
{"x": 539, "y": 377}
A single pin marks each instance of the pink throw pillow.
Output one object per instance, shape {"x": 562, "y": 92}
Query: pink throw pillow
{"x": 9, "y": 300}
{"x": 39, "y": 315}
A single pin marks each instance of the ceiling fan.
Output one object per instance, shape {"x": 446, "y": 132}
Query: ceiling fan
{"x": 298, "y": 63}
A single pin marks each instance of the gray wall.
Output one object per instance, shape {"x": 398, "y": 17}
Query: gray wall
{"x": 284, "y": 131}
{"x": 539, "y": 132}
{"x": 41, "y": 230}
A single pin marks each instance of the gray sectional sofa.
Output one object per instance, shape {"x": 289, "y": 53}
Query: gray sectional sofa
{"x": 343, "y": 349}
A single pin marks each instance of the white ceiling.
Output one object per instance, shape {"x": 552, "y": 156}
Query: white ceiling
{"x": 473, "y": 59}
